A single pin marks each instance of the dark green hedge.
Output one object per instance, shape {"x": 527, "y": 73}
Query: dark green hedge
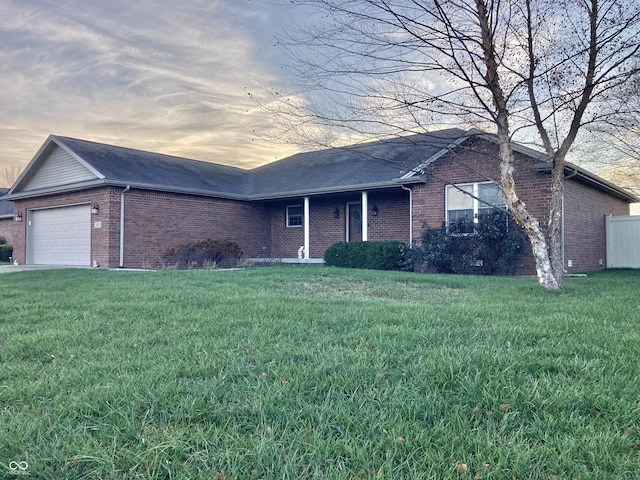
{"x": 6, "y": 252}
{"x": 389, "y": 255}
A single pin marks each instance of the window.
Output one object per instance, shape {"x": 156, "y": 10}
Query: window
{"x": 294, "y": 216}
{"x": 467, "y": 202}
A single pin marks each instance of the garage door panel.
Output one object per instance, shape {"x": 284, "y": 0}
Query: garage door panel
{"x": 60, "y": 236}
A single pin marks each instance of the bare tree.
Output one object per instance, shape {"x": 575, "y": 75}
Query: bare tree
{"x": 625, "y": 173}
{"x": 621, "y": 159}
{"x": 541, "y": 71}
{"x": 9, "y": 174}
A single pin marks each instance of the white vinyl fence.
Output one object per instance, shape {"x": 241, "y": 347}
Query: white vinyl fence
{"x": 623, "y": 242}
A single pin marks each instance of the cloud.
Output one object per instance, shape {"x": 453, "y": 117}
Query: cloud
{"x": 157, "y": 75}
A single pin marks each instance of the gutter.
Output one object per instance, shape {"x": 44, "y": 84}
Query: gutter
{"x": 573, "y": 171}
{"x": 122, "y": 224}
{"x": 111, "y": 183}
{"x": 340, "y": 189}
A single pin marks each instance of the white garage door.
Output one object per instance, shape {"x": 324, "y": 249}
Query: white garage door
{"x": 59, "y": 236}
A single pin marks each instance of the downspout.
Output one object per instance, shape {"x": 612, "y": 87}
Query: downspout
{"x": 410, "y": 190}
{"x": 122, "y": 224}
{"x": 365, "y": 217}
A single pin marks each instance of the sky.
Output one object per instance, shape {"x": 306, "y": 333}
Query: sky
{"x": 160, "y": 75}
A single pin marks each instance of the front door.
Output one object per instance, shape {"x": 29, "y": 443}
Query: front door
{"x": 354, "y": 219}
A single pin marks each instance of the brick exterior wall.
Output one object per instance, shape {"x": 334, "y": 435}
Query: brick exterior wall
{"x": 477, "y": 163}
{"x": 585, "y": 209}
{"x": 7, "y": 228}
{"x": 101, "y": 238}
{"x": 155, "y": 222}
{"x": 392, "y": 222}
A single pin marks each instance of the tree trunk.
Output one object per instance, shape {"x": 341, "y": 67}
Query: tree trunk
{"x": 544, "y": 267}
{"x": 556, "y": 220}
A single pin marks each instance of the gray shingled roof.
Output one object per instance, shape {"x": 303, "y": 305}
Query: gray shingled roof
{"x": 6, "y": 206}
{"x": 379, "y": 163}
{"x": 137, "y": 167}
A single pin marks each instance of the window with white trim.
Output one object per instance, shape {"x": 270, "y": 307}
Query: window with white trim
{"x": 469, "y": 201}
{"x": 294, "y": 216}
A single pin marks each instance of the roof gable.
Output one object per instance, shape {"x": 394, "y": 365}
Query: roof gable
{"x": 57, "y": 167}
{"x": 54, "y": 166}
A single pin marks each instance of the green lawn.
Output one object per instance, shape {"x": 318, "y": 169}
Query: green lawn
{"x": 293, "y": 373}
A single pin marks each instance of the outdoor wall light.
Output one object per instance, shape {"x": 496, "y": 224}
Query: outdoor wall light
{"x": 95, "y": 208}
{"x": 336, "y": 213}
{"x": 375, "y": 210}
{"x": 18, "y": 217}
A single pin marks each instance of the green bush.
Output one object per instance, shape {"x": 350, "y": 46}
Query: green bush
{"x": 441, "y": 251}
{"x": 6, "y": 252}
{"x": 500, "y": 243}
{"x": 390, "y": 255}
{"x": 206, "y": 253}
{"x": 492, "y": 247}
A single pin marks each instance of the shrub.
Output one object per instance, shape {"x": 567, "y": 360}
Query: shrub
{"x": 390, "y": 255}
{"x": 6, "y": 252}
{"x": 3, "y": 240}
{"x": 206, "y": 253}
{"x": 441, "y": 251}
{"x": 492, "y": 248}
{"x": 500, "y": 242}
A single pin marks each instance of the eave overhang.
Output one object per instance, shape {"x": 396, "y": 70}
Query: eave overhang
{"x": 337, "y": 190}
{"x": 580, "y": 174}
{"x": 111, "y": 183}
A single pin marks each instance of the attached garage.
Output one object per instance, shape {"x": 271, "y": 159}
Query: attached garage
{"x": 59, "y": 236}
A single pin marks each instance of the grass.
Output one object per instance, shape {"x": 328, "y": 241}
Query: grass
{"x": 295, "y": 373}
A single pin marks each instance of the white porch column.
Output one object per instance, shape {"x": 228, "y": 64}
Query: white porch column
{"x": 306, "y": 228}
{"x": 365, "y": 217}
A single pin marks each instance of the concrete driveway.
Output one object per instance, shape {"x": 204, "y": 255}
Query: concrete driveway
{"x": 24, "y": 268}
